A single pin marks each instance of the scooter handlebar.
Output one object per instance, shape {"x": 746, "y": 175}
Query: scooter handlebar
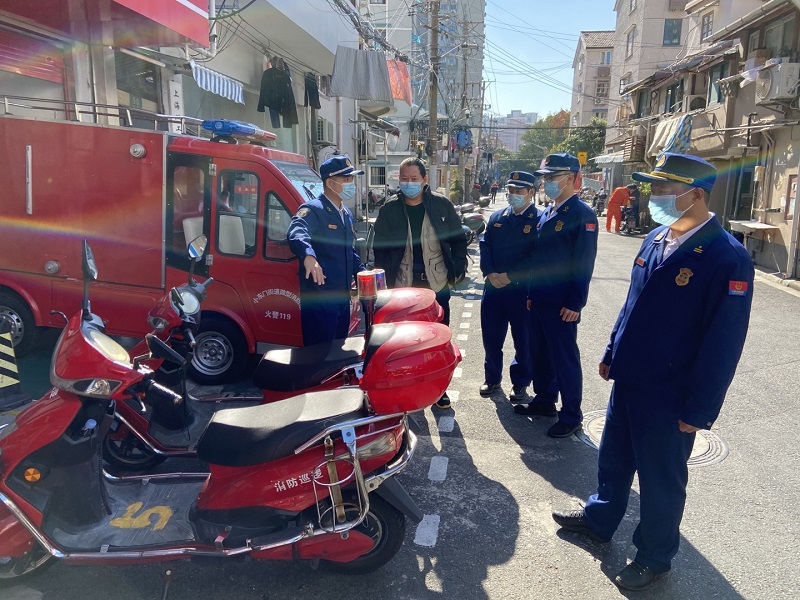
{"x": 157, "y": 395}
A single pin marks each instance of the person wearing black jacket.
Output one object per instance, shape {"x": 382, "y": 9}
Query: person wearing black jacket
{"x": 419, "y": 240}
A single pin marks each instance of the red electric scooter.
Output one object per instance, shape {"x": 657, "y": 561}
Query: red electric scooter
{"x": 140, "y": 440}
{"x": 308, "y": 478}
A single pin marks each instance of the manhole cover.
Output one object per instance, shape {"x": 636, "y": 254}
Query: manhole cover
{"x": 708, "y": 448}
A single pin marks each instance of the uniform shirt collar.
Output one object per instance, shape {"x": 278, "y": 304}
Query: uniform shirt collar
{"x": 673, "y": 243}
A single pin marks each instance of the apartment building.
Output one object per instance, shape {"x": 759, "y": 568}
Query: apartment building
{"x": 591, "y": 79}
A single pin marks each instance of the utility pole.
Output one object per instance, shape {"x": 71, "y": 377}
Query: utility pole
{"x": 433, "y": 123}
{"x": 477, "y": 172}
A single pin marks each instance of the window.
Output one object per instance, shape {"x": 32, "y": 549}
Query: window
{"x": 632, "y": 4}
{"x": 185, "y": 217}
{"x": 715, "y": 74}
{"x": 643, "y": 103}
{"x": 706, "y": 26}
{"x": 278, "y": 219}
{"x": 672, "y": 32}
{"x": 237, "y": 213}
{"x": 602, "y": 89}
{"x": 629, "y": 42}
{"x": 791, "y": 198}
{"x": 600, "y": 114}
{"x": 779, "y": 37}
{"x": 575, "y": 121}
{"x": 580, "y": 64}
{"x": 752, "y": 43}
{"x": 605, "y": 57}
{"x": 673, "y": 97}
{"x": 580, "y": 88}
{"x": 377, "y": 176}
{"x": 624, "y": 81}
{"x": 377, "y": 1}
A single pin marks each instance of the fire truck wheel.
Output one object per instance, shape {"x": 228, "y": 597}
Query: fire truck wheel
{"x": 220, "y": 354}
{"x": 385, "y": 525}
{"x": 23, "y": 327}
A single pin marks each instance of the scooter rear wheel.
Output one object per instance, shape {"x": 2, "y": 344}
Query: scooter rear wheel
{"x": 123, "y": 451}
{"x": 35, "y": 560}
{"x": 386, "y": 526}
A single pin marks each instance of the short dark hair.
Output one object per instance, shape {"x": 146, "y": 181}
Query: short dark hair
{"x": 413, "y": 161}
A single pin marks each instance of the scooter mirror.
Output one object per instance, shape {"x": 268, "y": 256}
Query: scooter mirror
{"x": 89, "y": 265}
{"x": 197, "y": 247}
{"x": 160, "y": 349}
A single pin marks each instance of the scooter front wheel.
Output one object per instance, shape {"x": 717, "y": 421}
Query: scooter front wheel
{"x": 124, "y": 451}
{"x": 35, "y": 560}
{"x": 385, "y": 525}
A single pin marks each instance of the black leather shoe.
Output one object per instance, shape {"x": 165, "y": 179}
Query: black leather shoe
{"x": 637, "y": 577}
{"x": 519, "y": 394}
{"x": 488, "y": 388}
{"x": 539, "y": 409}
{"x": 575, "y": 520}
{"x": 443, "y": 402}
{"x": 562, "y": 430}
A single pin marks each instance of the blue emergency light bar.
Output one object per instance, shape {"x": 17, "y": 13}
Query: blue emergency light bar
{"x": 238, "y": 129}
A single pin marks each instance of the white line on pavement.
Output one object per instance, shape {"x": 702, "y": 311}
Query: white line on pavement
{"x": 453, "y": 394}
{"x": 464, "y": 325}
{"x": 468, "y": 305}
{"x": 457, "y": 372}
{"x": 462, "y": 337}
{"x": 466, "y": 315}
{"x": 427, "y": 531}
{"x": 438, "y": 468}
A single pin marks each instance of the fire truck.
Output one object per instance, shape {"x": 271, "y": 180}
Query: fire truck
{"x": 139, "y": 196}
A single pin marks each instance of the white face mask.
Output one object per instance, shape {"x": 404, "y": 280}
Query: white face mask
{"x": 663, "y": 209}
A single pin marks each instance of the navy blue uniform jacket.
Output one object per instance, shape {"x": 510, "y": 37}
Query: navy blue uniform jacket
{"x": 318, "y": 230}
{"x": 509, "y": 242}
{"x": 564, "y": 258}
{"x": 684, "y": 321}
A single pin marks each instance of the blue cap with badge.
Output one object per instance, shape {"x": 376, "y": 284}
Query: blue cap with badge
{"x": 337, "y": 166}
{"x": 559, "y": 163}
{"x": 684, "y": 168}
{"x": 521, "y": 179}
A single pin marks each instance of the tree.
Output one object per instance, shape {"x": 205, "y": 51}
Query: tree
{"x": 590, "y": 139}
{"x": 544, "y": 136}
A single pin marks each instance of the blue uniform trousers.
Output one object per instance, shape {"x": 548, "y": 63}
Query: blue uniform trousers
{"x": 324, "y": 317}
{"x": 641, "y": 434}
{"x": 499, "y": 309}
{"x": 556, "y": 361}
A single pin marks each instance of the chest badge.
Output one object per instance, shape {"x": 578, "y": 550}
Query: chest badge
{"x": 526, "y": 229}
{"x": 498, "y": 224}
{"x": 559, "y": 225}
{"x": 332, "y": 226}
{"x": 683, "y": 276}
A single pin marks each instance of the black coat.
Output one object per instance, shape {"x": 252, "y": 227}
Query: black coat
{"x": 391, "y": 235}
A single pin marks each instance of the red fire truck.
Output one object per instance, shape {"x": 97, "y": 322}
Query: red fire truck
{"x": 139, "y": 196}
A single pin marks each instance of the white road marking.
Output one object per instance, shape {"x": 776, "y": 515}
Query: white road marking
{"x": 453, "y": 394}
{"x": 467, "y": 304}
{"x": 457, "y": 372}
{"x": 466, "y": 315}
{"x": 427, "y": 531}
{"x": 446, "y": 424}
{"x": 438, "y": 468}
{"x": 462, "y": 337}
{"x": 464, "y": 325}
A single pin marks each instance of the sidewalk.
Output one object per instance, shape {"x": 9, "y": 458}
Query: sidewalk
{"x": 764, "y": 274}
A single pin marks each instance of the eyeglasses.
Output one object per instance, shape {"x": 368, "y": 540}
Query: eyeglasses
{"x": 554, "y": 176}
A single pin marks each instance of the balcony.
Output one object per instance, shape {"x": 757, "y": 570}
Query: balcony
{"x": 603, "y": 72}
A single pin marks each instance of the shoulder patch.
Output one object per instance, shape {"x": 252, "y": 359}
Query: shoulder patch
{"x": 737, "y": 288}
{"x": 302, "y": 212}
{"x": 591, "y": 227}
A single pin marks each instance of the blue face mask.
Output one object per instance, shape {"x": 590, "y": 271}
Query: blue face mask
{"x": 517, "y": 201}
{"x": 411, "y": 189}
{"x": 348, "y": 192}
{"x": 663, "y": 210}
{"x": 552, "y": 189}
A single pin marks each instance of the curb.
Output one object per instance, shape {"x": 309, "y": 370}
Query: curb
{"x": 787, "y": 283}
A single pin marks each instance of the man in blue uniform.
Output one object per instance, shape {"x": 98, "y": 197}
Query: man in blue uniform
{"x": 562, "y": 269}
{"x": 672, "y": 355}
{"x": 322, "y": 236}
{"x": 507, "y": 248}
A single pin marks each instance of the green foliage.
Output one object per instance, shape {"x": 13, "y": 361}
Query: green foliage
{"x": 590, "y": 139}
{"x": 544, "y": 136}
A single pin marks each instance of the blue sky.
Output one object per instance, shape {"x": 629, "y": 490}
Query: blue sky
{"x": 530, "y": 43}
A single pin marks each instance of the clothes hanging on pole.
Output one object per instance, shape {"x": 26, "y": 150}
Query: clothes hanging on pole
{"x": 400, "y": 80}
{"x": 289, "y": 112}
{"x": 311, "y": 91}
{"x": 361, "y": 75}
{"x": 276, "y": 94}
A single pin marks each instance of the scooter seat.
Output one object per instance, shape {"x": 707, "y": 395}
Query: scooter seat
{"x": 239, "y": 437}
{"x": 293, "y": 369}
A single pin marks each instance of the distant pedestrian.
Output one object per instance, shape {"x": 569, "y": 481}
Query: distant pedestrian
{"x": 672, "y": 355}
{"x": 493, "y": 190}
{"x": 560, "y": 276}
{"x": 619, "y": 199}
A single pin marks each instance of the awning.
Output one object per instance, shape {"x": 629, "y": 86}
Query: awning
{"x": 217, "y": 83}
{"x": 672, "y": 135}
{"x": 607, "y": 159}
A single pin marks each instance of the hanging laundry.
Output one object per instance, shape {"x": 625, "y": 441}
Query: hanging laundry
{"x": 400, "y": 80}
{"x": 289, "y": 112}
{"x": 277, "y": 95}
{"x": 361, "y": 75}
{"x": 312, "y": 91}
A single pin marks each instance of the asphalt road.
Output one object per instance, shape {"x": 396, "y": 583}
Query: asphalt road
{"x": 488, "y": 479}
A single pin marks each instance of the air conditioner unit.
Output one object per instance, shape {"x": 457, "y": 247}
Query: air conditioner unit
{"x": 694, "y": 102}
{"x": 598, "y": 101}
{"x": 323, "y": 134}
{"x": 777, "y": 83}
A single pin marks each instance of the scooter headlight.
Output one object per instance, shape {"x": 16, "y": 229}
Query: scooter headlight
{"x": 157, "y": 323}
{"x": 95, "y": 388}
{"x": 191, "y": 303}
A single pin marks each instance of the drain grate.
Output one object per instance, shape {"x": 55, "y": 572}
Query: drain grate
{"x": 708, "y": 448}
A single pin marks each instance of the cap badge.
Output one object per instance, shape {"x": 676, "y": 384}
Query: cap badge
{"x": 347, "y": 162}
{"x": 683, "y": 276}
{"x": 515, "y": 175}
{"x": 662, "y": 160}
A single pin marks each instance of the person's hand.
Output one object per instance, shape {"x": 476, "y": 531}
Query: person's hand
{"x": 504, "y": 278}
{"x": 496, "y": 280}
{"x": 686, "y": 428}
{"x": 314, "y": 270}
{"x": 603, "y": 370}
{"x": 569, "y": 316}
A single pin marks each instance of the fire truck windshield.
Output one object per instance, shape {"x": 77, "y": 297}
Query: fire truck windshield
{"x": 303, "y": 178}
